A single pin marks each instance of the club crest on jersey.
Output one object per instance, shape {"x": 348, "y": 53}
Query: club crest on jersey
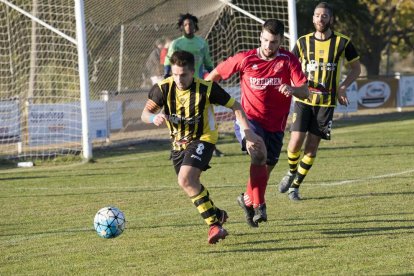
{"x": 255, "y": 67}
{"x": 278, "y": 67}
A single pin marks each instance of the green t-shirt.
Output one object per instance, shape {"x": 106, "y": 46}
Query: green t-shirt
{"x": 198, "y": 47}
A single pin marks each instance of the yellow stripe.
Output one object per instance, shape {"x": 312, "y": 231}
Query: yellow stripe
{"x": 204, "y": 207}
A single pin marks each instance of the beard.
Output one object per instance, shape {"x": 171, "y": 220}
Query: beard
{"x": 267, "y": 54}
{"x": 322, "y": 28}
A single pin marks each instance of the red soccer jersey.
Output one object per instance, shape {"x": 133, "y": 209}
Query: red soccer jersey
{"x": 260, "y": 81}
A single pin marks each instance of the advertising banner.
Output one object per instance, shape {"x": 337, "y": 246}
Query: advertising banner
{"x": 9, "y": 121}
{"x": 60, "y": 123}
{"x": 381, "y": 92}
{"x": 54, "y": 123}
{"x": 352, "y": 94}
{"x": 406, "y": 92}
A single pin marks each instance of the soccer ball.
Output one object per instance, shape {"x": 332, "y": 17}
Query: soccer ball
{"x": 109, "y": 222}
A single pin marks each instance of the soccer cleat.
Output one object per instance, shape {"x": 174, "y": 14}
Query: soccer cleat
{"x": 294, "y": 194}
{"x": 221, "y": 216}
{"x": 260, "y": 214}
{"x": 248, "y": 211}
{"x": 216, "y": 233}
{"x": 286, "y": 181}
{"x": 217, "y": 153}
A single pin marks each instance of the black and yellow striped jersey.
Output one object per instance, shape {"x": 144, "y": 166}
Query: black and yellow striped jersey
{"x": 190, "y": 113}
{"x": 321, "y": 61}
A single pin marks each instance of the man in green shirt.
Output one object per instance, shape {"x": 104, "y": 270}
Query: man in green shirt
{"x": 192, "y": 43}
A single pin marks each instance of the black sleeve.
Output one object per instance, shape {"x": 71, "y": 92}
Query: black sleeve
{"x": 156, "y": 96}
{"x": 350, "y": 52}
{"x": 295, "y": 51}
{"x": 218, "y": 95}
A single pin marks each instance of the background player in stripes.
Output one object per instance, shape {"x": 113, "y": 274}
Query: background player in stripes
{"x": 321, "y": 54}
{"x": 187, "y": 110}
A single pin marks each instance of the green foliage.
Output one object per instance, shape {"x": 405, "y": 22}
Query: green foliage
{"x": 355, "y": 219}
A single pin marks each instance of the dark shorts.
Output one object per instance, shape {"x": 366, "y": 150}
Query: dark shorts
{"x": 272, "y": 140}
{"x": 314, "y": 119}
{"x": 197, "y": 154}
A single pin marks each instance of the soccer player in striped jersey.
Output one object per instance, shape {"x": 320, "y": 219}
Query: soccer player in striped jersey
{"x": 321, "y": 54}
{"x": 269, "y": 76}
{"x": 187, "y": 104}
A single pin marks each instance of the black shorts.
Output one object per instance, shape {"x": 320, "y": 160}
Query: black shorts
{"x": 273, "y": 141}
{"x": 314, "y": 119}
{"x": 197, "y": 154}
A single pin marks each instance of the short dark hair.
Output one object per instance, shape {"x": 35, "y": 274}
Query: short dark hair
{"x": 274, "y": 26}
{"x": 185, "y": 16}
{"x": 325, "y": 5}
{"x": 182, "y": 59}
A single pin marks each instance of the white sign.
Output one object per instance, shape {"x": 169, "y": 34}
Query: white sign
{"x": 374, "y": 93}
{"x": 406, "y": 92}
{"x": 60, "y": 123}
{"x": 352, "y": 94}
{"x": 115, "y": 113}
{"x": 98, "y": 119}
{"x": 9, "y": 120}
{"x": 54, "y": 123}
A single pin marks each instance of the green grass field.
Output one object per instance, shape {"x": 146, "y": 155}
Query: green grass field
{"x": 357, "y": 216}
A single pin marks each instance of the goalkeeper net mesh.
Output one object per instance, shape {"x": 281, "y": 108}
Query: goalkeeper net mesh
{"x": 39, "y": 82}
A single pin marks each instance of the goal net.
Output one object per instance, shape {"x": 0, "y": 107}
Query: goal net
{"x": 39, "y": 77}
{"x": 122, "y": 35}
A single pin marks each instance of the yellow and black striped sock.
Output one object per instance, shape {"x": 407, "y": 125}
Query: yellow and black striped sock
{"x": 293, "y": 160}
{"x": 205, "y": 206}
{"x": 303, "y": 169}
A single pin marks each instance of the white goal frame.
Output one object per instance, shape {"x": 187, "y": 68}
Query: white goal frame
{"x": 293, "y": 29}
{"x": 80, "y": 42}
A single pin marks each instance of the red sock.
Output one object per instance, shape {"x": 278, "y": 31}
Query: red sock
{"x": 258, "y": 180}
{"x": 248, "y": 195}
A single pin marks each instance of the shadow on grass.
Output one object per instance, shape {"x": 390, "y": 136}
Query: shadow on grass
{"x": 82, "y": 192}
{"x": 50, "y": 232}
{"x": 21, "y": 178}
{"x": 410, "y": 221}
{"x": 382, "y": 146}
{"x": 365, "y": 230}
{"x": 359, "y": 195}
{"x": 252, "y": 250}
{"x": 355, "y": 119}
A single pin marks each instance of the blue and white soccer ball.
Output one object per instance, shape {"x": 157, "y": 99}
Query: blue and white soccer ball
{"x": 109, "y": 222}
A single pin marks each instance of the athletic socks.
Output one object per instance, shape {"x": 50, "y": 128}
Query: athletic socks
{"x": 293, "y": 160}
{"x": 205, "y": 206}
{"x": 303, "y": 169}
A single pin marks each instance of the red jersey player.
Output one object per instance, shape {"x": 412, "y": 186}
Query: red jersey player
{"x": 269, "y": 76}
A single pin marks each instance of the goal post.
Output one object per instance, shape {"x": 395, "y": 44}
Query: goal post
{"x": 61, "y": 95}
{"x": 292, "y": 26}
{"x": 83, "y": 78}
{"x": 47, "y": 74}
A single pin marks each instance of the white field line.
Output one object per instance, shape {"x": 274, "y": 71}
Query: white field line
{"x": 335, "y": 183}
{"x": 344, "y": 182}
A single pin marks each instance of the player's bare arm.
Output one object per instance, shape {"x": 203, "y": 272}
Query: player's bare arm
{"x": 300, "y": 92}
{"x": 150, "y": 114}
{"x": 213, "y": 76}
{"x": 353, "y": 74}
{"x": 241, "y": 117}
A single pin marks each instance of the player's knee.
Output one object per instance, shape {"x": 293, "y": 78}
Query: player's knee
{"x": 184, "y": 180}
{"x": 258, "y": 157}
